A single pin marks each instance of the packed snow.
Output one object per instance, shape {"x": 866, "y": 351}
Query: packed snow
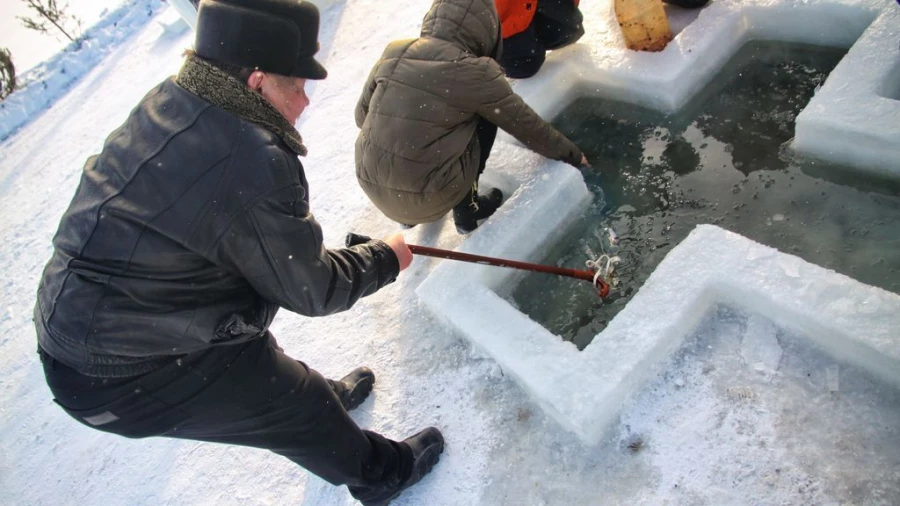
{"x": 29, "y": 47}
{"x": 716, "y": 397}
{"x": 40, "y": 86}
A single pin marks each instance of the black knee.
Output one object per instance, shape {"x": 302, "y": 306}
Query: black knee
{"x": 687, "y": 4}
{"x": 523, "y": 54}
{"x": 558, "y": 23}
{"x": 524, "y": 68}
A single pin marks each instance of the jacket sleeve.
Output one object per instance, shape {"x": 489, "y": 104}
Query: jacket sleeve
{"x": 276, "y": 244}
{"x": 496, "y": 102}
{"x": 362, "y": 107}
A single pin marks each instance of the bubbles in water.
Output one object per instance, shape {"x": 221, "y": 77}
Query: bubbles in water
{"x": 673, "y": 172}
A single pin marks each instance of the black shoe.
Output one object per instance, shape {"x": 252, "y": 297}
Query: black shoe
{"x": 426, "y": 447}
{"x": 353, "y": 388}
{"x": 467, "y": 216}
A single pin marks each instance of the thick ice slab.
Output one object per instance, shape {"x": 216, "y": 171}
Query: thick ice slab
{"x": 853, "y": 122}
{"x": 855, "y": 118}
{"x": 584, "y": 391}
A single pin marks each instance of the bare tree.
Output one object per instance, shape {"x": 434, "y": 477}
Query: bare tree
{"x": 49, "y": 13}
{"x": 7, "y": 73}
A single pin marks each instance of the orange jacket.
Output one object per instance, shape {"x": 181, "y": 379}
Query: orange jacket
{"x": 516, "y": 15}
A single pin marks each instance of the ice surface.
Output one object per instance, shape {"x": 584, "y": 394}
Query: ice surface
{"x": 852, "y": 121}
{"x": 728, "y": 168}
{"x": 759, "y": 347}
{"x": 711, "y": 265}
{"x": 833, "y": 377}
{"x": 709, "y": 429}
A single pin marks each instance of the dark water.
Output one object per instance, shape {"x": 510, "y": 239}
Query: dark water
{"x": 724, "y": 160}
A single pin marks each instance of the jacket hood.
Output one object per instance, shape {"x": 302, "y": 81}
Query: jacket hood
{"x": 472, "y": 24}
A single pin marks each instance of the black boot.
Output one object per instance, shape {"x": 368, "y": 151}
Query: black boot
{"x": 426, "y": 447}
{"x": 353, "y": 388}
{"x": 474, "y": 208}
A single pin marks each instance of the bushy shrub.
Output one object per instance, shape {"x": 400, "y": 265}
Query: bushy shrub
{"x": 49, "y": 15}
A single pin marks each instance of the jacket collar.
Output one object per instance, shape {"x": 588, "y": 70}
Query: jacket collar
{"x": 221, "y": 90}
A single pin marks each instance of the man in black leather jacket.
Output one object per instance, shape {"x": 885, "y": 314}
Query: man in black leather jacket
{"x": 185, "y": 235}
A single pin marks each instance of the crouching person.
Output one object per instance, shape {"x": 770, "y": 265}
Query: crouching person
{"x": 429, "y": 113}
{"x": 186, "y": 235}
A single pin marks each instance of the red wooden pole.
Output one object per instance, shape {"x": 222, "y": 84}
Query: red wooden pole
{"x": 501, "y": 262}
{"x": 600, "y": 284}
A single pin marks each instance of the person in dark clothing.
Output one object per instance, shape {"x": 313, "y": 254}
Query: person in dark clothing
{"x": 530, "y": 28}
{"x": 186, "y": 234}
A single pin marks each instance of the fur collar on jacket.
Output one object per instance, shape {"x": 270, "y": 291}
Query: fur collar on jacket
{"x": 222, "y": 90}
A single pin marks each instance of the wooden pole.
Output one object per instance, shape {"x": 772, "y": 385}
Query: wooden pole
{"x": 500, "y": 262}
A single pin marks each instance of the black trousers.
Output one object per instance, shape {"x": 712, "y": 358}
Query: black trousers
{"x": 250, "y": 395}
{"x": 487, "y": 133}
{"x": 557, "y": 23}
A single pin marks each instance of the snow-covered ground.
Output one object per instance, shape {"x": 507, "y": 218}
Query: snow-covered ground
{"x": 698, "y": 434}
{"x": 40, "y": 86}
{"x": 29, "y": 47}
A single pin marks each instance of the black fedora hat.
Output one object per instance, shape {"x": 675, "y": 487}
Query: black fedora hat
{"x": 277, "y": 36}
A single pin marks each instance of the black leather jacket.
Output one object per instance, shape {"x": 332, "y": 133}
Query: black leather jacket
{"x": 190, "y": 229}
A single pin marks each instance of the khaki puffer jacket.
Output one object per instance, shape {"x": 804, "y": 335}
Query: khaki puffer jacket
{"x": 417, "y": 153}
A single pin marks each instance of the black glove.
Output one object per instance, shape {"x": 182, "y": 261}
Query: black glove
{"x": 382, "y": 253}
{"x": 354, "y": 239}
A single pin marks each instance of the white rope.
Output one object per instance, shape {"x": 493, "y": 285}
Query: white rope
{"x": 603, "y": 266}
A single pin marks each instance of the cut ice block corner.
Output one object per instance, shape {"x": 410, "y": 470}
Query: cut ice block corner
{"x": 585, "y": 391}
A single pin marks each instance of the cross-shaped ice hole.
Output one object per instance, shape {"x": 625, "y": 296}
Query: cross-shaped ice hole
{"x": 584, "y": 391}
{"x": 852, "y": 121}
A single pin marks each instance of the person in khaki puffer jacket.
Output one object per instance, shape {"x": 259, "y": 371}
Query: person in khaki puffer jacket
{"x": 429, "y": 113}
